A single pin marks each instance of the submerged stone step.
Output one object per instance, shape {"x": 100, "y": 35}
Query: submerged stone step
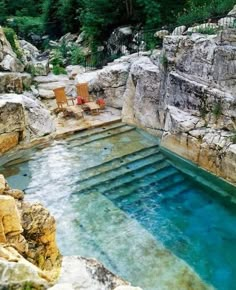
{"x": 143, "y": 185}
{"x": 118, "y": 161}
{"x": 93, "y": 131}
{"x": 128, "y": 177}
{"x": 122, "y": 172}
{"x": 118, "y": 168}
{"x": 126, "y": 243}
{"x": 82, "y": 140}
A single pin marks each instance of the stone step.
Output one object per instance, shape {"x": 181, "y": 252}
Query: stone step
{"x": 92, "y": 131}
{"x": 120, "y": 171}
{"x": 143, "y": 185}
{"x": 125, "y": 162}
{"x": 176, "y": 188}
{"x": 99, "y": 136}
{"x": 126, "y": 177}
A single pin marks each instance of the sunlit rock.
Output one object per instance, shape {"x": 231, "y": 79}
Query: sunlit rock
{"x": 8, "y": 59}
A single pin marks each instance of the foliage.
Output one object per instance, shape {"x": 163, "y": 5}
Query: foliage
{"x": 12, "y": 39}
{"x": 3, "y": 12}
{"x": 51, "y": 18}
{"x": 24, "y": 25}
{"x": 69, "y": 10}
{"x": 198, "y": 11}
{"x": 77, "y": 56}
{"x": 217, "y": 109}
{"x": 57, "y": 58}
{"x": 57, "y": 70}
{"x": 207, "y": 30}
{"x": 233, "y": 137}
{"x": 164, "y": 60}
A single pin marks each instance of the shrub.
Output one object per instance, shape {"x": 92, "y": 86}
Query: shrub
{"x": 12, "y": 39}
{"x": 24, "y": 25}
{"x": 217, "y": 109}
{"x": 57, "y": 57}
{"x": 207, "y": 30}
{"x": 164, "y": 60}
{"x": 57, "y": 70}
{"x": 77, "y": 56}
{"x": 233, "y": 138}
{"x": 199, "y": 11}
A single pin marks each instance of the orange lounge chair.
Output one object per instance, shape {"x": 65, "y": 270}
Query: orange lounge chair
{"x": 82, "y": 91}
{"x": 62, "y": 100}
{"x": 61, "y": 97}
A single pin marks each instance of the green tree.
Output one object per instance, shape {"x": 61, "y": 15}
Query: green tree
{"x": 3, "y": 12}
{"x": 69, "y": 10}
{"x": 51, "y": 18}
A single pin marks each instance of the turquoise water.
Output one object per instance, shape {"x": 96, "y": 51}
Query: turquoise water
{"x": 116, "y": 197}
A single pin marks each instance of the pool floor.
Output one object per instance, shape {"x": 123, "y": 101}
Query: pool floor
{"x": 116, "y": 197}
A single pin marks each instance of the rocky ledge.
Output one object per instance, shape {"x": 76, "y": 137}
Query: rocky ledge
{"x": 28, "y": 249}
{"x": 29, "y": 256}
{"x": 184, "y": 93}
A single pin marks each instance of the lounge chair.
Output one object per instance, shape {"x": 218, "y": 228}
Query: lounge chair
{"x": 89, "y": 104}
{"x": 61, "y": 97}
{"x": 64, "y": 105}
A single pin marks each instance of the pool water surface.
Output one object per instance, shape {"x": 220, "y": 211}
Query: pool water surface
{"x": 118, "y": 198}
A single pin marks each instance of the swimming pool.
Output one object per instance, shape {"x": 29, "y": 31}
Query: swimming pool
{"x": 117, "y": 197}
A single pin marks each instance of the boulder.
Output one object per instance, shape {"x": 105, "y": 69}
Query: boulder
{"x": 36, "y": 63}
{"x": 80, "y": 38}
{"x": 108, "y": 83}
{"x": 23, "y": 118}
{"x": 233, "y": 11}
{"x": 10, "y": 223}
{"x": 121, "y": 36}
{"x": 8, "y": 59}
{"x": 161, "y": 33}
{"x": 11, "y": 82}
{"x": 2, "y": 184}
{"x": 46, "y": 85}
{"x": 29, "y": 50}
{"x": 87, "y": 274}
{"x": 179, "y": 30}
{"x": 74, "y": 70}
{"x": 40, "y": 232}
{"x": 9, "y": 141}
{"x": 227, "y": 22}
{"x": 40, "y": 67}
{"x": 205, "y": 28}
{"x": 17, "y": 273}
{"x": 141, "y": 96}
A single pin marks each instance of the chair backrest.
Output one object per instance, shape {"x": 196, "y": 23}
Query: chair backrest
{"x": 60, "y": 95}
{"x": 82, "y": 91}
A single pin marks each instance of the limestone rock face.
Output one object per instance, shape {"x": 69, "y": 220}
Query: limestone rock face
{"x": 120, "y": 37}
{"x": 46, "y": 84}
{"x": 17, "y": 273}
{"x": 87, "y": 274}
{"x": 14, "y": 82}
{"x": 184, "y": 94}
{"x": 38, "y": 64}
{"x": 40, "y": 232}
{"x": 22, "y": 118}
{"x": 8, "y": 59}
{"x": 141, "y": 99}
{"x": 179, "y": 30}
{"x": 29, "y": 230}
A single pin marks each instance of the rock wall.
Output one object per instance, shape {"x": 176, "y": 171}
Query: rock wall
{"x": 28, "y": 250}
{"x": 21, "y": 119}
{"x": 8, "y": 59}
{"x": 185, "y": 94}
